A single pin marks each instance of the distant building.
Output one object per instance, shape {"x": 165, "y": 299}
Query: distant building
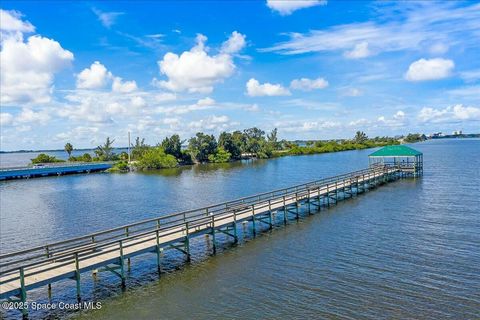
{"x": 436, "y": 135}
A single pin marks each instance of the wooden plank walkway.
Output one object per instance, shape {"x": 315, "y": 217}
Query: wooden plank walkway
{"x": 107, "y": 250}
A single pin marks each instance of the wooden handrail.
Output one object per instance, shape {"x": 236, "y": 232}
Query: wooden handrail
{"x": 96, "y": 241}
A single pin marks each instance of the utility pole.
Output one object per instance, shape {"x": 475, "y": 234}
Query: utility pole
{"x": 128, "y": 147}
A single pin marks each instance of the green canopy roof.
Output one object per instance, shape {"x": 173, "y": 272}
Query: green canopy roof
{"x": 396, "y": 151}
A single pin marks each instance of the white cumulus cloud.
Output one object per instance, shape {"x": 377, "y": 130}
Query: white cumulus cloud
{"x": 34, "y": 117}
{"x": 28, "y": 67}
{"x": 234, "y": 44}
{"x": 11, "y": 22}
{"x": 429, "y": 69}
{"x": 121, "y": 86}
{"x": 197, "y": 71}
{"x": 306, "y": 84}
{"x": 399, "y": 115}
{"x": 95, "y": 77}
{"x": 212, "y": 123}
{"x": 255, "y": 89}
{"x": 454, "y": 113}
{"x": 287, "y": 7}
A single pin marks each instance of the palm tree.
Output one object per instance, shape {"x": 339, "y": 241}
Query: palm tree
{"x": 69, "y": 149}
{"x": 360, "y": 137}
{"x": 105, "y": 151}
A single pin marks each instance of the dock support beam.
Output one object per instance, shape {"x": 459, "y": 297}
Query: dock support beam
{"x": 23, "y": 293}
{"x": 254, "y": 225}
{"x": 270, "y": 214}
{"x": 308, "y": 203}
{"x": 297, "y": 216}
{"x": 77, "y": 277}
{"x": 187, "y": 243}
{"x": 214, "y": 241}
{"x": 122, "y": 265}
{"x": 159, "y": 269}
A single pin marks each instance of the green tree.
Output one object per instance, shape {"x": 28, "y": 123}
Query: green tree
{"x": 69, "y": 149}
{"x": 105, "y": 152}
{"x": 265, "y": 150}
{"x": 254, "y": 136}
{"x": 139, "y": 148}
{"x": 228, "y": 143}
{"x": 156, "y": 158}
{"x": 240, "y": 141}
{"x": 173, "y": 146}
{"x": 45, "y": 158}
{"x": 86, "y": 157}
{"x": 220, "y": 156}
{"x": 201, "y": 146}
{"x": 273, "y": 140}
{"x": 360, "y": 137}
{"x": 415, "y": 137}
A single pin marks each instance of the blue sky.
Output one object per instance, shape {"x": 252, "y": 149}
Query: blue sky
{"x": 82, "y": 71}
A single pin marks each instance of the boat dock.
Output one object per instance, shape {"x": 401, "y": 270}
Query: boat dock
{"x": 52, "y": 170}
{"x": 111, "y": 250}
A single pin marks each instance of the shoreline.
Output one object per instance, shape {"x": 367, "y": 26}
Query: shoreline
{"x": 464, "y": 136}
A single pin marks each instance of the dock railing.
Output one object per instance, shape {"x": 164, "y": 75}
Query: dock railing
{"x": 67, "y": 252}
{"x": 54, "y": 165}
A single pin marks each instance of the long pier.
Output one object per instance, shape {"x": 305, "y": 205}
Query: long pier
{"x": 52, "y": 170}
{"x": 110, "y": 250}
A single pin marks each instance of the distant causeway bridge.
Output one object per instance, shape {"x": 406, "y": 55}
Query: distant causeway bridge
{"x": 111, "y": 250}
{"x": 44, "y": 170}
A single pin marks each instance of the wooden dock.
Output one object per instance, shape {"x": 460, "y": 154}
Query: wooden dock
{"x": 109, "y": 250}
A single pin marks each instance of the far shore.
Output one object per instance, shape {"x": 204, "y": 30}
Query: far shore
{"x": 463, "y": 136}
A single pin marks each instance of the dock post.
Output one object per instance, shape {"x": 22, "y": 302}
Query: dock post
{"x": 297, "y": 216}
{"x": 254, "y": 226}
{"x": 319, "y": 200}
{"x": 187, "y": 242}
{"x": 128, "y": 259}
{"x": 49, "y": 286}
{"x": 77, "y": 276}
{"x": 328, "y": 196}
{"x": 158, "y": 253}
{"x": 336, "y": 192}
{"x": 235, "y": 236}
{"x": 308, "y": 203}
{"x": 23, "y": 293}
{"x": 122, "y": 262}
{"x": 270, "y": 220}
{"x": 284, "y": 211}
{"x": 214, "y": 242}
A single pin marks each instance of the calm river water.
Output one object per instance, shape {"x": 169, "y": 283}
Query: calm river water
{"x": 409, "y": 249}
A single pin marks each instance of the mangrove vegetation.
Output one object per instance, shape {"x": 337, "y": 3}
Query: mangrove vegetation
{"x": 230, "y": 146}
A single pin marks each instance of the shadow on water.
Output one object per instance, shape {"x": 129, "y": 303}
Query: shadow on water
{"x": 204, "y": 168}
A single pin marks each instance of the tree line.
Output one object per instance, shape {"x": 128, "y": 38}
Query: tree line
{"x": 202, "y": 148}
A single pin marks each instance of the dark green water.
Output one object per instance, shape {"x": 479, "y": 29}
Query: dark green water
{"x": 409, "y": 249}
